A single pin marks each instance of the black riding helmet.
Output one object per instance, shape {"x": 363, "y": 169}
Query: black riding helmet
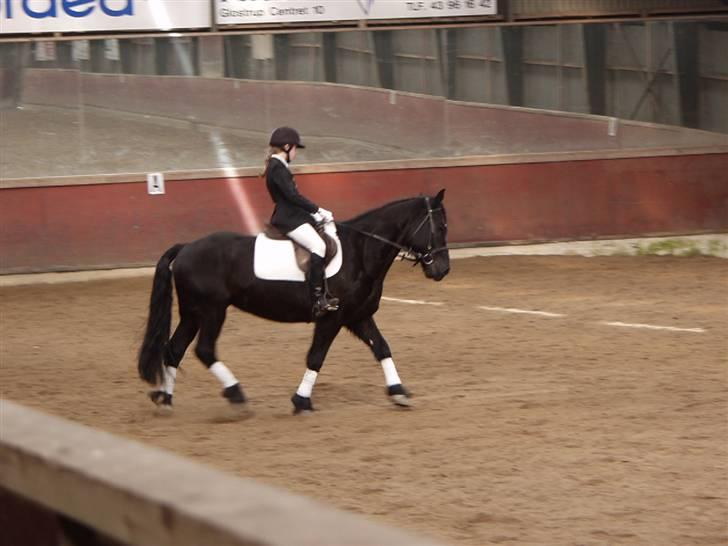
{"x": 285, "y": 135}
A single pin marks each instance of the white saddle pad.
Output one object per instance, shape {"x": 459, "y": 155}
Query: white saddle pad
{"x": 275, "y": 260}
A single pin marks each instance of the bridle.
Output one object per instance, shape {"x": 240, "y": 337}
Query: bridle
{"x": 409, "y": 253}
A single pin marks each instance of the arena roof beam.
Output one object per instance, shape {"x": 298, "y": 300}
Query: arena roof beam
{"x": 161, "y": 57}
{"x": 687, "y": 67}
{"x": 281, "y": 51}
{"x": 98, "y": 57}
{"x": 329, "y": 49}
{"x": 447, "y": 42}
{"x": 384, "y": 52}
{"x": 595, "y": 54}
{"x": 512, "y": 39}
{"x": 12, "y": 59}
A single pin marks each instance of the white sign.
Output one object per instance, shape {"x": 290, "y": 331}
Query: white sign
{"x": 111, "y": 50}
{"x": 80, "y": 50}
{"x": 155, "y": 183}
{"x": 27, "y": 16}
{"x": 236, "y": 12}
{"x": 45, "y": 51}
{"x": 262, "y": 46}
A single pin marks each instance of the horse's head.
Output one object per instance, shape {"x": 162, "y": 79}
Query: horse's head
{"x": 429, "y": 239}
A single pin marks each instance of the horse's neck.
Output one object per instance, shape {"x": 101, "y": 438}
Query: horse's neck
{"x": 392, "y": 223}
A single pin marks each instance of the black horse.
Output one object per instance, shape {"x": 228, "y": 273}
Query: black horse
{"x": 216, "y": 271}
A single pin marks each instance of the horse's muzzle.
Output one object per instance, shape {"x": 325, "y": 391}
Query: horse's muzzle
{"x": 436, "y": 273}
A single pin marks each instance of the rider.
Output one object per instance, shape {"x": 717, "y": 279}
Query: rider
{"x": 294, "y": 214}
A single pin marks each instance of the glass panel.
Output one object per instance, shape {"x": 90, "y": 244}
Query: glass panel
{"x": 356, "y": 61}
{"x": 137, "y": 105}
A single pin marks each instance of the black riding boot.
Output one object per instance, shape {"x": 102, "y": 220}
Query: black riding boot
{"x": 322, "y": 302}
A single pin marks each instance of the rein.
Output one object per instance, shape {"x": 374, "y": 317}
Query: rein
{"x": 409, "y": 253}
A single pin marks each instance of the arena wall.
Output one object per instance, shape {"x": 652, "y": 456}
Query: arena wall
{"x": 548, "y": 176}
{"x": 101, "y": 222}
{"x": 133, "y": 494}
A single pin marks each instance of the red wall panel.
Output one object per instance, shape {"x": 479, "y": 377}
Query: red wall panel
{"x": 89, "y": 226}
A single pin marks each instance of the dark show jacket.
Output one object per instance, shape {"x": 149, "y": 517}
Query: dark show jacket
{"x": 292, "y": 209}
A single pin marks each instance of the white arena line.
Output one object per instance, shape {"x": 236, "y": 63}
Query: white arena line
{"x": 654, "y": 327}
{"x": 414, "y": 302}
{"x": 522, "y": 311}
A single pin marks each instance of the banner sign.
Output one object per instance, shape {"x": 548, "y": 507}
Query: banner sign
{"x": 237, "y": 12}
{"x": 28, "y": 16}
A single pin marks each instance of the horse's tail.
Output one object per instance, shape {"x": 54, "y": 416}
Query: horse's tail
{"x": 159, "y": 323}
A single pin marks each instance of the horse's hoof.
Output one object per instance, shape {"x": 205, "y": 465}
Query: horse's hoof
{"x": 160, "y": 398}
{"x": 399, "y": 396}
{"x": 301, "y": 405}
{"x": 162, "y": 401}
{"x": 400, "y": 400}
{"x": 234, "y": 394}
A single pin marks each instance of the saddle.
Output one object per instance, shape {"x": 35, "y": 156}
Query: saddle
{"x": 303, "y": 256}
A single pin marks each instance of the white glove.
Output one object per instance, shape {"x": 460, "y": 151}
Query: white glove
{"x": 327, "y": 215}
{"x": 317, "y": 216}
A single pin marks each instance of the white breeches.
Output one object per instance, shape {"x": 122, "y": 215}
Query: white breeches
{"x": 306, "y": 236}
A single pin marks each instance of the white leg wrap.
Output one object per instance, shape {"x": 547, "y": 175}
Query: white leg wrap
{"x": 170, "y": 377}
{"x": 390, "y": 372}
{"x": 306, "y": 386}
{"x": 223, "y": 374}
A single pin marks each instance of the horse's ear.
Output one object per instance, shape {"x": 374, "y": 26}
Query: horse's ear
{"x": 438, "y": 198}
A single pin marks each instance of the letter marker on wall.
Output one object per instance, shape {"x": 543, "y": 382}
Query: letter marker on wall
{"x": 155, "y": 183}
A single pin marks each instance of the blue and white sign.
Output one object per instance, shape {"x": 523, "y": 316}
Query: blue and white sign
{"x": 30, "y": 16}
{"x": 236, "y": 12}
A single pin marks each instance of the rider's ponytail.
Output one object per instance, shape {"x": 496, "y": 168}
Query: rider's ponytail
{"x": 268, "y": 155}
{"x": 266, "y": 162}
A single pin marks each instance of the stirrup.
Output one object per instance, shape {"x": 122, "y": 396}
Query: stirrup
{"x": 324, "y": 305}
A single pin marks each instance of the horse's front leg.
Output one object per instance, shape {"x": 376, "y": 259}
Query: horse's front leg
{"x": 323, "y": 336}
{"x": 367, "y": 331}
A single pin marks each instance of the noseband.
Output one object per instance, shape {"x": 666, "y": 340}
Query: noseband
{"x": 409, "y": 253}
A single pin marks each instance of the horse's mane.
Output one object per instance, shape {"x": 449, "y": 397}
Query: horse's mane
{"x": 375, "y": 211}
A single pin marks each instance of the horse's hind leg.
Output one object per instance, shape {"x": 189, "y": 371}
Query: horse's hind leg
{"x": 367, "y": 331}
{"x": 183, "y": 335}
{"x": 211, "y": 321}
